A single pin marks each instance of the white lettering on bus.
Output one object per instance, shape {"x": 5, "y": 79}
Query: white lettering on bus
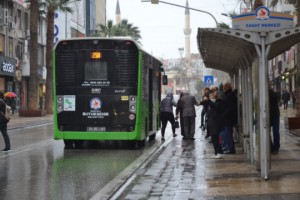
{"x": 120, "y": 91}
{"x": 95, "y": 114}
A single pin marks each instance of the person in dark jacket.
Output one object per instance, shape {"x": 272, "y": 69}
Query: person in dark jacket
{"x": 188, "y": 103}
{"x": 166, "y": 114}
{"x": 285, "y": 98}
{"x": 205, "y": 95}
{"x": 229, "y": 117}
{"x": 215, "y": 122}
{"x": 178, "y": 112}
{"x": 274, "y": 120}
{"x": 3, "y": 123}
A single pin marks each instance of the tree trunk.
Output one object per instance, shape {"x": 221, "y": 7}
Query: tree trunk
{"x": 297, "y": 86}
{"x": 33, "y": 100}
{"x": 49, "y": 62}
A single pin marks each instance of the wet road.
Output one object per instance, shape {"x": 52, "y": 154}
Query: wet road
{"x": 38, "y": 167}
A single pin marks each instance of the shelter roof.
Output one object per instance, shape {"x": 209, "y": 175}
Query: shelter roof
{"x": 228, "y": 49}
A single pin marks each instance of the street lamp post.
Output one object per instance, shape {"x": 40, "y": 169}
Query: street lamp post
{"x": 203, "y": 11}
{"x": 180, "y": 50}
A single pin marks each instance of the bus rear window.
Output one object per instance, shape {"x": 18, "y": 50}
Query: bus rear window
{"x": 95, "y": 70}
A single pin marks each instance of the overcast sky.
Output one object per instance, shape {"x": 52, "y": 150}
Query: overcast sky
{"x": 162, "y": 25}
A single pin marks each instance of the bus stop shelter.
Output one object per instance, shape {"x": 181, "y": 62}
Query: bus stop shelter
{"x": 234, "y": 51}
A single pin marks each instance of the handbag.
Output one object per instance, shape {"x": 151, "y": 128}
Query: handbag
{"x": 176, "y": 124}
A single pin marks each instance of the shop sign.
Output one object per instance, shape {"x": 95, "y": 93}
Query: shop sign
{"x": 18, "y": 75}
{"x": 262, "y": 20}
{"x": 7, "y": 66}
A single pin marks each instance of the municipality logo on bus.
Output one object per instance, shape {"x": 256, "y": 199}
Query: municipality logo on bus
{"x": 95, "y": 103}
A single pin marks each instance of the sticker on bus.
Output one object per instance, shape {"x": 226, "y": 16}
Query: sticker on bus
{"x": 124, "y": 98}
{"x": 69, "y": 103}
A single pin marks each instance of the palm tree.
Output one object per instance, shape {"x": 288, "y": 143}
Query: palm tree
{"x": 223, "y": 25}
{"x": 52, "y": 6}
{"x": 127, "y": 29}
{"x": 106, "y": 31}
{"x": 296, "y": 3}
{"x": 122, "y": 29}
{"x": 33, "y": 80}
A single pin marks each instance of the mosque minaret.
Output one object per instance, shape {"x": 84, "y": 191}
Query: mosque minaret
{"x": 118, "y": 13}
{"x": 187, "y": 33}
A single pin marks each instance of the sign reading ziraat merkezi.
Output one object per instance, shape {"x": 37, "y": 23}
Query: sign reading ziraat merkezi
{"x": 262, "y": 20}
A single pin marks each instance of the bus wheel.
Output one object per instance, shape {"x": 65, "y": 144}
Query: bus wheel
{"x": 78, "y": 144}
{"x": 141, "y": 143}
{"x": 152, "y": 137}
{"x": 68, "y": 144}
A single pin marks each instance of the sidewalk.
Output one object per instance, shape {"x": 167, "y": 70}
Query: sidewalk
{"x": 17, "y": 122}
{"x": 185, "y": 171}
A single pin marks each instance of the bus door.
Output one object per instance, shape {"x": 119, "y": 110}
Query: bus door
{"x": 150, "y": 92}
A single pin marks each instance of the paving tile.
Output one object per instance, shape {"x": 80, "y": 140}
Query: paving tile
{"x": 184, "y": 171}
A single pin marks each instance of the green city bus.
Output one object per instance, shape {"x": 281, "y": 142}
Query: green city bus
{"x": 105, "y": 89}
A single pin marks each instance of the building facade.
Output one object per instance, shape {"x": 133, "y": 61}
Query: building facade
{"x": 14, "y": 51}
{"x": 282, "y": 69}
{"x": 82, "y": 22}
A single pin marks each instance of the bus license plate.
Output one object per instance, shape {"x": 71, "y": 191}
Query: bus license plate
{"x": 96, "y": 129}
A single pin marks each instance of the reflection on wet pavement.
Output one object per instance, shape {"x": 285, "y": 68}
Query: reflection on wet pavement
{"x": 39, "y": 168}
{"x": 185, "y": 171}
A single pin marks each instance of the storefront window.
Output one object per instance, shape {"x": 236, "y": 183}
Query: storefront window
{"x": 2, "y": 84}
{"x": 9, "y": 86}
{"x": 11, "y": 44}
{"x": 2, "y": 44}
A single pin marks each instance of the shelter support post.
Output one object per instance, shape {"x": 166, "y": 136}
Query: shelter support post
{"x": 239, "y": 120}
{"x": 237, "y": 80}
{"x": 264, "y": 121}
{"x": 248, "y": 107}
{"x": 244, "y": 110}
{"x": 250, "y": 111}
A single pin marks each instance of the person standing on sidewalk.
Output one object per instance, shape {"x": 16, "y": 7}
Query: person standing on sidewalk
{"x": 166, "y": 114}
{"x": 205, "y": 95}
{"x": 229, "y": 117}
{"x": 178, "y": 112}
{"x": 188, "y": 103}
{"x": 274, "y": 120}
{"x": 3, "y": 123}
{"x": 285, "y": 97}
{"x": 215, "y": 122}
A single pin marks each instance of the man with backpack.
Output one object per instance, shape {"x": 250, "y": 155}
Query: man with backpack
{"x": 3, "y": 123}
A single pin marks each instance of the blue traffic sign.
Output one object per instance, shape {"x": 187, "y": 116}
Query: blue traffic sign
{"x": 208, "y": 80}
